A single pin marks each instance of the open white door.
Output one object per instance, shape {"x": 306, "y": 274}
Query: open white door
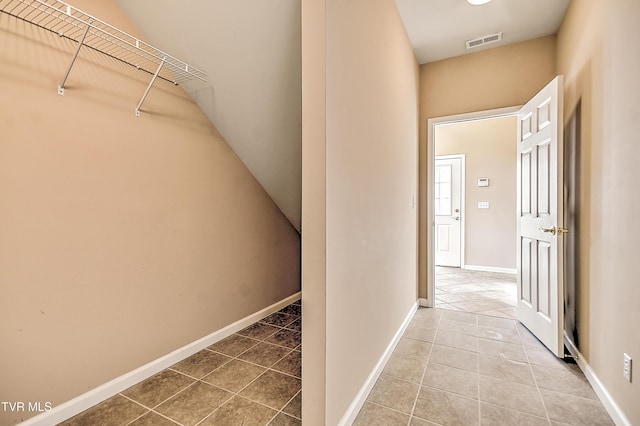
{"x": 540, "y": 204}
{"x": 448, "y": 204}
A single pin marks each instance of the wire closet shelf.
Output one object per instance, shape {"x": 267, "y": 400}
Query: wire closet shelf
{"x": 74, "y": 24}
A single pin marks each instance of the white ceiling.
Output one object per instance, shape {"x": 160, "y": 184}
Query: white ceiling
{"x": 251, "y": 51}
{"x": 438, "y": 29}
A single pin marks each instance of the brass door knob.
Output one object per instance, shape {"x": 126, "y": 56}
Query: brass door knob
{"x": 551, "y": 230}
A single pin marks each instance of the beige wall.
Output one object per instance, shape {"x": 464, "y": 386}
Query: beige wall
{"x": 314, "y": 204}
{"x": 371, "y": 128}
{"x": 495, "y": 78}
{"x": 490, "y": 151}
{"x": 123, "y": 238}
{"x": 598, "y": 56}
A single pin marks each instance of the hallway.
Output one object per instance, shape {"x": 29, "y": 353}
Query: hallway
{"x": 459, "y": 368}
{"x": 449, "y": 368}
{"x": 485, "y": 293}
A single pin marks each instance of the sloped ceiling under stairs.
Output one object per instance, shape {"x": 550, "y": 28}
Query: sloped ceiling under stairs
{"x": 251, "y": 50}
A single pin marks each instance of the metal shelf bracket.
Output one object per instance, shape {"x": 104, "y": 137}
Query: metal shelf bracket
{"x": 71, "y": 23}
{"x": 73, "y": 59}
{"x": 146, "y": 92}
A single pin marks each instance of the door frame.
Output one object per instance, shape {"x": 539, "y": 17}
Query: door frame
{"x": 430, "y": 240}
{"x": 463, "y": 186}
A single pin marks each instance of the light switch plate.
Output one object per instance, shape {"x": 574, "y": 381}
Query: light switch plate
{"x": 483, "y": 204}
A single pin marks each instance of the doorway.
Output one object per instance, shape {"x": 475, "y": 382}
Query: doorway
{"x": 540, "y": 222}
{"x": 449, "y": 209}
{"x": 483, "y": 280}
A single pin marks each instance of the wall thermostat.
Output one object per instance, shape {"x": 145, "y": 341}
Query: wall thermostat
{"x": 483, "y": 181}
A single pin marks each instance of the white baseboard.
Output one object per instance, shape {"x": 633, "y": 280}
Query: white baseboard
{"x": 616, "y": 414}
{"x": 424, "y": 303}
{"x": 490, "y": 269}
{"x": 105, "y": 391}
{"x": 354, "y": 408}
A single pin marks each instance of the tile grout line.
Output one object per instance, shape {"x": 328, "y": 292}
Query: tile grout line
{"x": 172, "y": 395}
{"x": 195, "y": 380}
{"x": 287, "y": 403}
{"x": 252, "y": 363}
{"x": 152, "y": 410}
{"x": 233, "y": 394}
{"x": 398, "y": 411}
{"x": 544, "y": 405}
{"x": 424, "y": 372}
{"x": 521, "y": 344}
{"x": 455, "y": 282}
{"x": 139, "y": 417}
{"x": 571, "y": 395}
{"x": 166, "y": 417}
{"x": 516, "y": 411}
{"x": 237, "y": 394}
{"x": 291, "y": 350}
{"x": 269, "y": 368}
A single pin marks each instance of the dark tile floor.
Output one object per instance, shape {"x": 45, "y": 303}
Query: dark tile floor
{"x": 252, "y": 377}
{"x": 460, "y": 368}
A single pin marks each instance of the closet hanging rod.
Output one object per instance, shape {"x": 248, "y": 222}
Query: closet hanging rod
{"x": 70, "y": 22}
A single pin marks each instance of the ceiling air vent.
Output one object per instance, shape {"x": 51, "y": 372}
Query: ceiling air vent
{"x": 481, "y": 41}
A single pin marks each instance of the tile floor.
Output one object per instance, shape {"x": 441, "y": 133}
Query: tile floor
{"x": 252, "y": 377}
{"x": 449, "y": 368}
{"x": 487, "y": 293}
{"x": 460, "y": 368}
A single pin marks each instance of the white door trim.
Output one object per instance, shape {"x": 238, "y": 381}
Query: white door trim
{"x": 431, "y": 158}
{"x": 463, "y": 186}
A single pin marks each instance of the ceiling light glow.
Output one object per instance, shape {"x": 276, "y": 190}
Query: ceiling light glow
{"x": 478, "y": 2}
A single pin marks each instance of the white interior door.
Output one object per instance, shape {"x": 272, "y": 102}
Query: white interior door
{"x": 540, "y": 204}
{"x": 448, "y": 217}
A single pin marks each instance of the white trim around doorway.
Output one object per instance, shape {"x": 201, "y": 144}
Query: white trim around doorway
{"x": 430, "y": 241}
